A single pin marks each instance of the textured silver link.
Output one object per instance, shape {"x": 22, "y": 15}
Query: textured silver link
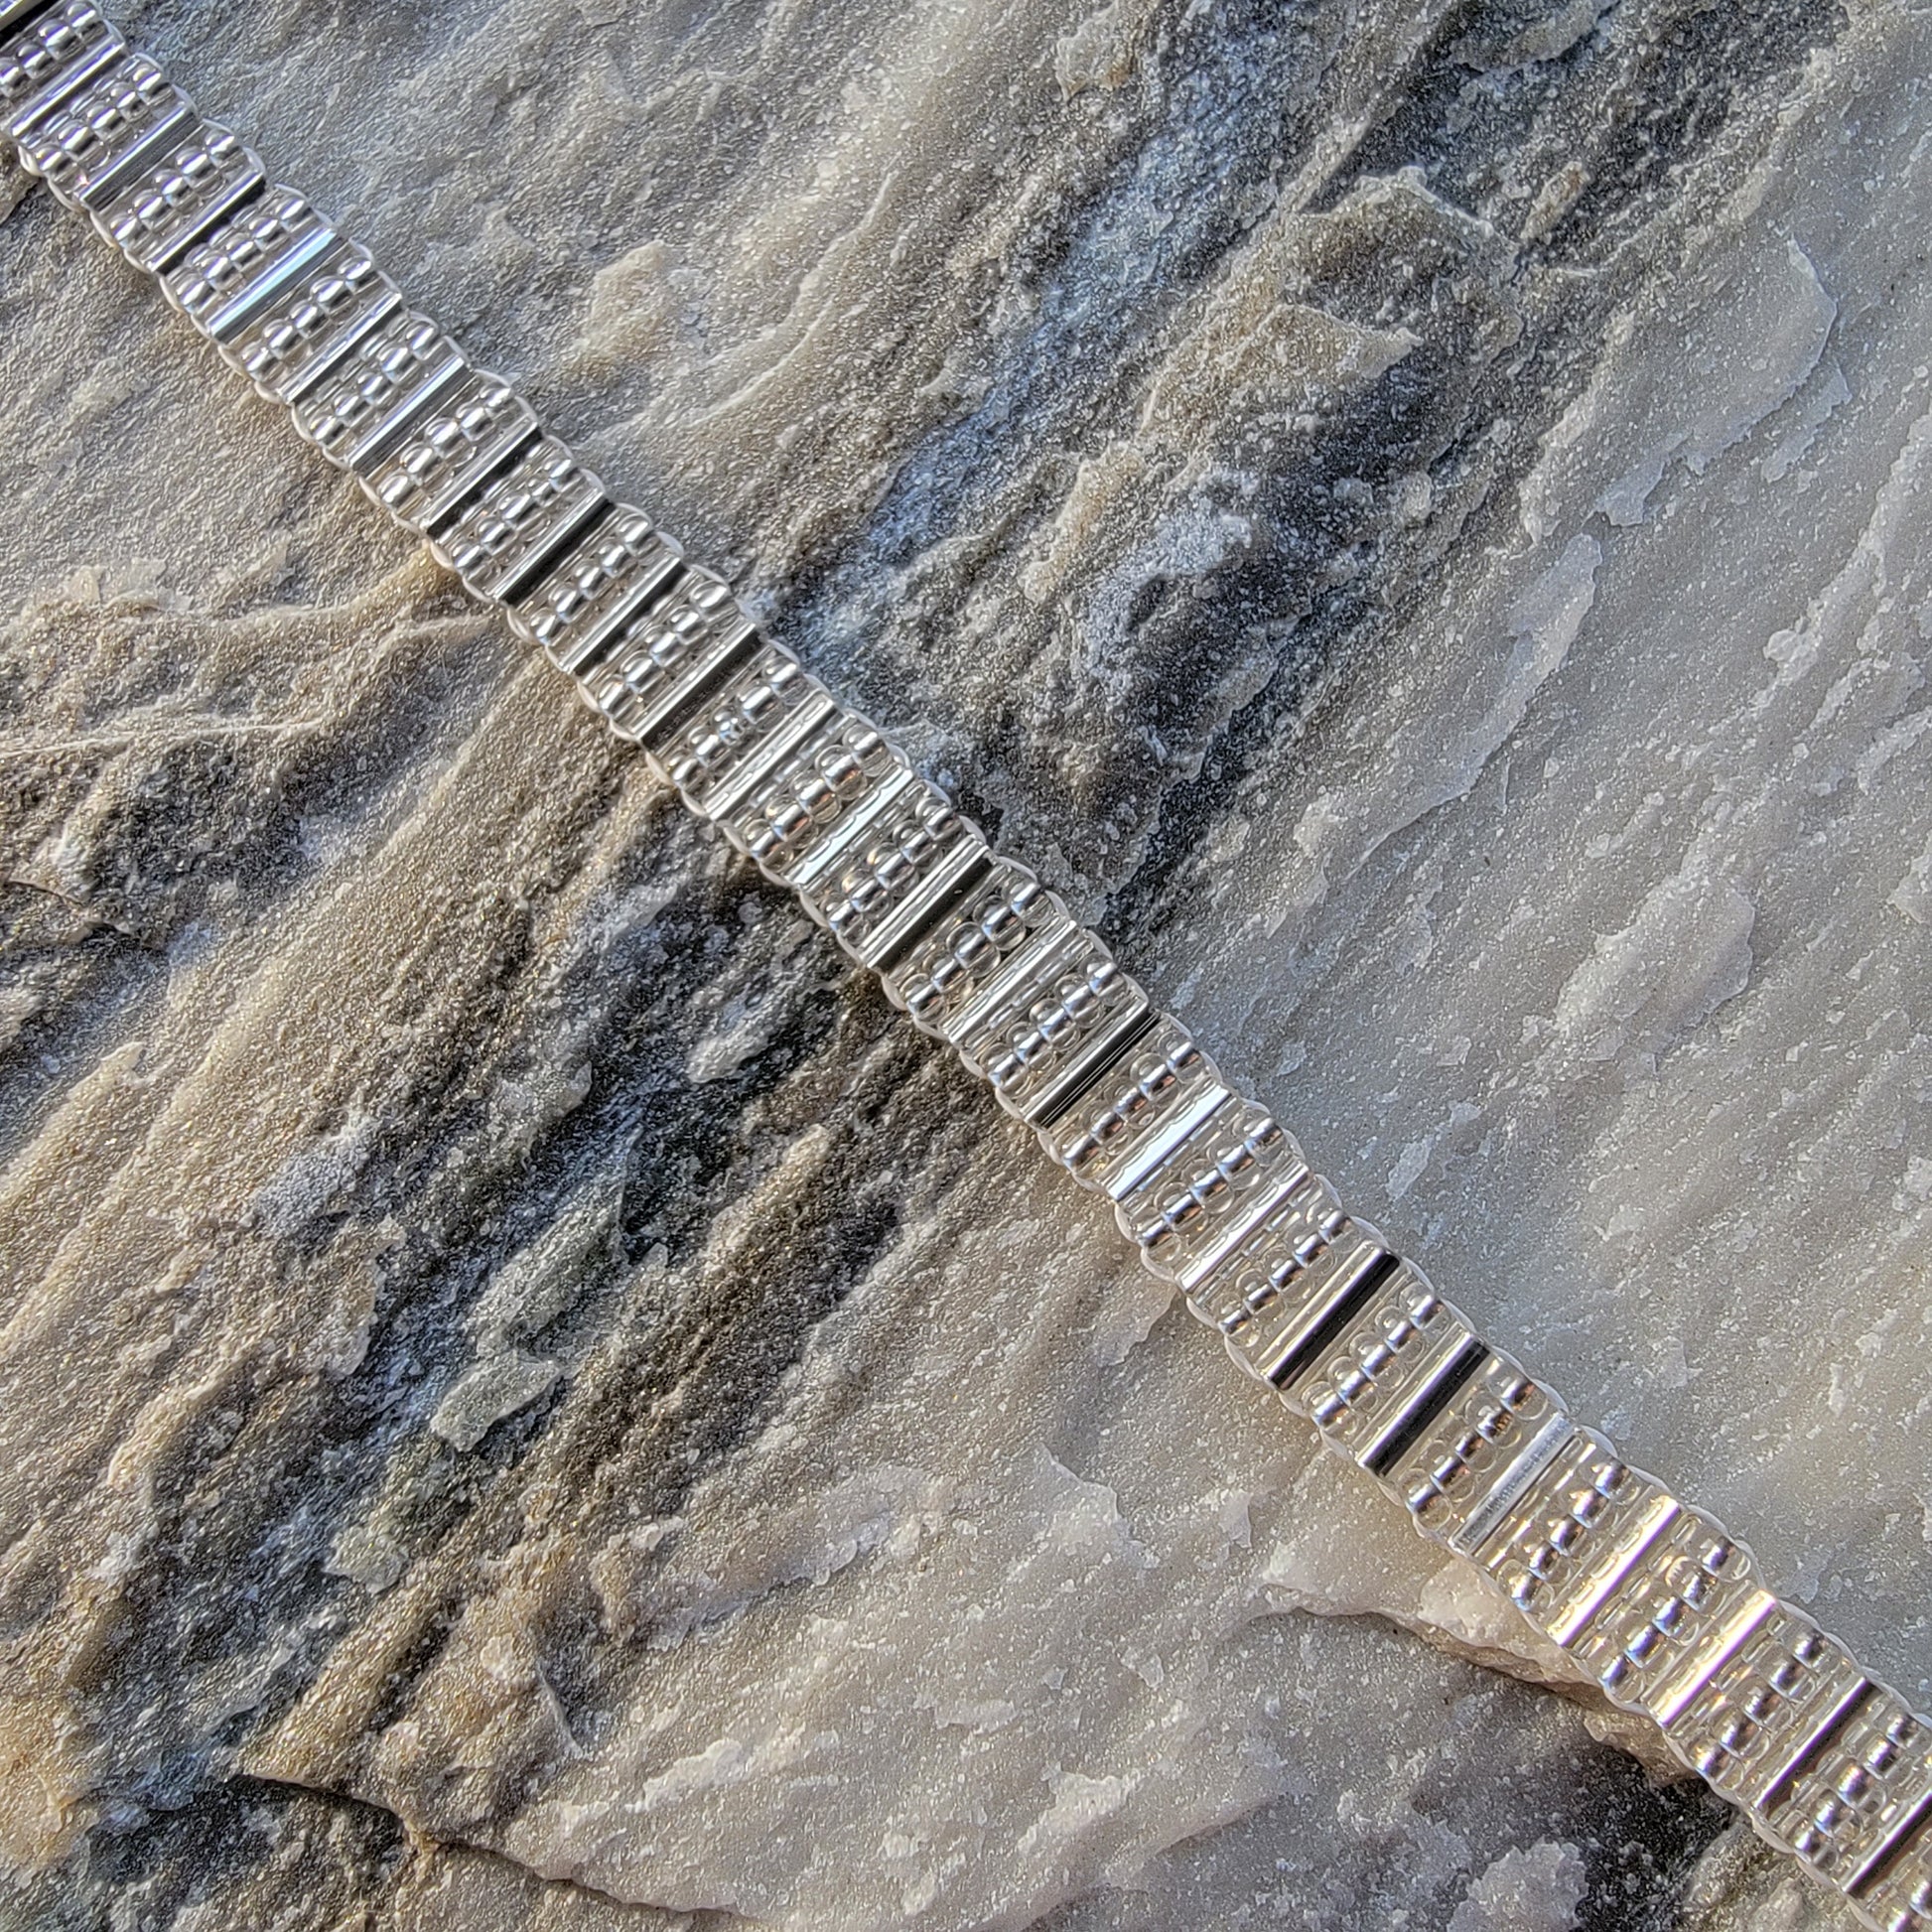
{"x": 503, "y": 542}
{"x": 799, "y": 852}
{"x": 1651, "y": 1599}
{"x": 1395, "y": 1364}
{"x": 1693, "y": 1603}
{"x": 1215, "y": 1192}
{"x": 672, "y": 655}
{"x": 1769, "y": 1709}
{"x": 50, "y": 57}
{"x": 228, "y": 274}
{"x": 100, "y": 136}
{"x": 1299, "y": 1283}
{"x": 294, "y": 338}
{"x": 916, "y": 838}
{"x": 917, "y": 898}
{"x": 1576, "y": 1536}
{"x": 1264, "y": 1293}
{"x": 198, "y": 185}
{"x": 1848, "y": 1811}
{"x": 1897, "y": 1893}
{"x": 611, "y": 578}
{"x": 1130, "y": 1127}
{"x": 374, "y": 396}
{"x": 723, "y": 758}
{"x": 987, "y": 928}
{"x": 1468, "y": 1473}
{"x": 1062, "y": 1027}
{"x": 449, "y": 450}
{"x": 968, "y": 1011}
{"x": 816, "y": 793}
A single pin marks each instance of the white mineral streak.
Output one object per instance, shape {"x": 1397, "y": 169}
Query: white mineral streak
{"x": 1536, "y": 1890}
{"x": 494, "y": 1330}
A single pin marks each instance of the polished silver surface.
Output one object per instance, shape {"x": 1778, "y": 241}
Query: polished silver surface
{"x": 1652, "y": 1599}
{"x": 204, "y": 175}
{"x": 50, "y": 58}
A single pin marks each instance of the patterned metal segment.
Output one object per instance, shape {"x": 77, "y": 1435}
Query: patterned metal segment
{"x": 51, "y": 57}
{"x": 662, "y": 668}
{"x": 1466, "y": 1474}
{"x": 1578, "y": 1534}
{"x": 1279, "y": 1330}
{"x": 1212, "y": 1194}
{"x": 961, "y": 967}
{"x": 1063, "y": 1023}
{"x": 967, "y": 949}
{"x": 1128, "y": 1127}
{"x": 915, "y": 839}
{"x": 813, "y": 799}
{"x": 599, "y": 591}
{"x": 195, "y": 187}
{"x": 288, "y": 344}
{"x": 1260, "y": 1295}
{"x": 1847, "y": 1811}
{"x": 503, "y": 541}
{"x": 808, "y": 850}
{"x": 920, "y": 899}
{"x": 450, "y": 451}
{"x": 88, "y": 145}
{"x": 229, "y": 272}
{"x": 375, "y": 395}
{"x": 723, "y": 758}
{"x": 1898, "y": 1893}
{"x": 1768, "y": 1709}
{"x": 1679, "y": 1618}
{"x": 1650, "y": 1598}
{"x": 1394, "y": 1365}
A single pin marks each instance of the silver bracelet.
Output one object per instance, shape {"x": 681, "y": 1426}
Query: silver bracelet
{"x": 1650, "y": 1598}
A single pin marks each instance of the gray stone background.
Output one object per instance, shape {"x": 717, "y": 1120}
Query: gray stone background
{"x": 527, "y": 1399}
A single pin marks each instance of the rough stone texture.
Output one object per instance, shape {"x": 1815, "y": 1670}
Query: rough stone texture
{"x": 1410, "y": 516}
{"x": 262, "y": 1858}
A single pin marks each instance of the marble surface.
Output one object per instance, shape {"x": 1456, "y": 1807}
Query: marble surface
{"x": 529, "y": 1399}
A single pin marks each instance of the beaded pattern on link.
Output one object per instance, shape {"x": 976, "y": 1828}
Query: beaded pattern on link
{"x": 1651, "y": 1599}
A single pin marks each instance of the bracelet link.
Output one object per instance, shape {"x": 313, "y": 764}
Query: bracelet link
{"x": 1686, "y": 1609}
{"x": 1393, "y": 1367}
{"x": 450, "y": 452}
{"x": 197, "y": 187}
{"x": 813, "y": 805}
{"x": 333, "y": 297}
{"x": 966, "y": 950}
{"x": 377, "y": 391}
{"x": 51, "y": 58}
{"x": 227, "y": 274}
{"x": 100, "y": 135}
{"x": 504, "y": 540}
{"x": 599, "y": 591}
{"x": 1850, "y": 1809}
{"x": 1216, "y": 1189}
{"x": 918, "y": 837}
{"x": 1058, "y": 1030}
{"x": 1129, "y": 1129}
{"x": 1584, "y": 1526}
{"x": 667, "y": 663}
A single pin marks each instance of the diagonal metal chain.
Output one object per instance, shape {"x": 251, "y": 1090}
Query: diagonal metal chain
{"x": 1649, "y": 1596}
